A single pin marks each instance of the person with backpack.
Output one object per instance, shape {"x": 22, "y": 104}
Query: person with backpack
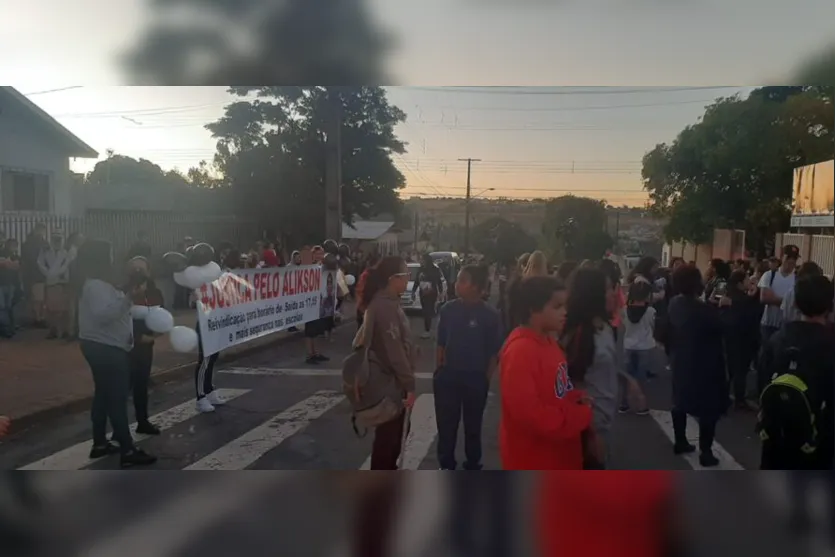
{"x": 795, "y": 421}
{"x": 774, "y": 285}
{"x": 378, "y": 378}
{"x": 469, "y": 340}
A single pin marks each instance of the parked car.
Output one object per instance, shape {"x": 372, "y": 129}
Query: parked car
{"x": 411, "y": 302}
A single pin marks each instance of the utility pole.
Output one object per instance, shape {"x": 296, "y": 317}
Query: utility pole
{"x": 617, "y": 230}
{"x": 417, "y": 225}
{"x": 333, "y": 167}
{"x": 467, "y": 205}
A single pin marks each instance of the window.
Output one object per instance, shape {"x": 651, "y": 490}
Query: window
{"x": 24, "y": 191}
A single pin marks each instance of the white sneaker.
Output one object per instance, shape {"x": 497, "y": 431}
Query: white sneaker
{"x": 425, "y": 335}
{"x": 204, "y": 406}
{"x": 215, "y": 399}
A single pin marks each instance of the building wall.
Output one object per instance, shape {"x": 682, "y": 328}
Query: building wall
{"x": 23, "y": 147}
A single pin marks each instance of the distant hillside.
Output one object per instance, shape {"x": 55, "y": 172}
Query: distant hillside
{"x": 442, "y": 219}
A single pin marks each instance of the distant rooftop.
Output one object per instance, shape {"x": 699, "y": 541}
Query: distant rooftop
{"x": 366, "y": 229}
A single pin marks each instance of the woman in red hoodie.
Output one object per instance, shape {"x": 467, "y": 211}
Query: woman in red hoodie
{"x": 543, "y": 416}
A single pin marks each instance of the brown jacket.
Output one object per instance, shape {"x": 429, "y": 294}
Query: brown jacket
{"x": 392, "y": 339}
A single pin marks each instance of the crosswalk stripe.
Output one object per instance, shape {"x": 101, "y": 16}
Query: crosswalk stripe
{"x": 76, "y": 457}
{"x": 665, "y": 422}
{"x": 166, "y": 531}
{"x": 251, "y": 446}
{"x": 422, "y": 435}
{"x": 295, "y": 372}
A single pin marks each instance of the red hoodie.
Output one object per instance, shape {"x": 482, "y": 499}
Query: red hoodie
{"x": 542, "y": 422}
{"x": 624, "y": 513}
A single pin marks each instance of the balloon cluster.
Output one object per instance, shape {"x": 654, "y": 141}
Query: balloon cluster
{"x": 191, "y": 269}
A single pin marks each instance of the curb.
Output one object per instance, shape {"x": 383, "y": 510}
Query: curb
{"x": 167, "y": 375}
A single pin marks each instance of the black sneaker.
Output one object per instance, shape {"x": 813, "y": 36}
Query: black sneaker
{"x": 683, "y": 447}
{"x": 623, "y": 409}
{"x": 103, "y": 451}
{"x": 708, "y": 460}
{"x": 147, "y": 428}
{"x": 137, "y": 457}
{"x": 644, "y": 412}
{"x": 321, "y": 358}
{"x": 312, "y": 361}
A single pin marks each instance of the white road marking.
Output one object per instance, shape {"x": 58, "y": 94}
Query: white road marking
{"x": 726, "y": 461}
{"x": 423, "y": 433}
{"x": 77, "y": 456}
{"x": 166, "y": 531}
{"x": 248, "y": 448}
{"x": 297, "y": 372}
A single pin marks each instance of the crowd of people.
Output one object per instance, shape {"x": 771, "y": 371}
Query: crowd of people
{"x": 575, "y": 344}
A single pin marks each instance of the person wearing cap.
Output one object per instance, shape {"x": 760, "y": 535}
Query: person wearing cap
{"x": 774, "y": 286}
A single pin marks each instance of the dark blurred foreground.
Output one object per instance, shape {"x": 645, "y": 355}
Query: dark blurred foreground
{"x": 371, "y": 514}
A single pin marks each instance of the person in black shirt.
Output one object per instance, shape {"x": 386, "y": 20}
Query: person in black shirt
{"x": 430, "y": 283}
{"x": 9, "y": 286}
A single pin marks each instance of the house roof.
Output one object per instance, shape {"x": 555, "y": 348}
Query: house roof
{"x": 77, "y": 147}
{"x": 366, "y": 229}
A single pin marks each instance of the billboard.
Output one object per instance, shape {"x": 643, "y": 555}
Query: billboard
{"x": 813, "y": 198}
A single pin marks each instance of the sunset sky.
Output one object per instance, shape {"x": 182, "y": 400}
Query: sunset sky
{"x": 533, "y": 142}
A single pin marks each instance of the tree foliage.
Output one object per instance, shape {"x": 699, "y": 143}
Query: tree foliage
{"x": 271, "y": 151}
{"x": 119, "y": 170}
{"x": 501, "y": 240}
{"x": 733, "y": 168}
{"x": 574, "y": 228}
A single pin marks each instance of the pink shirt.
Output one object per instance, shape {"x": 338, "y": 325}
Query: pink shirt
{"x": 616, "y": 319}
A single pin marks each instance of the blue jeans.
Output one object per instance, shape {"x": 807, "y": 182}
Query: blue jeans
{"x": 638, "y": 365}
{"x": 460, "y": 394}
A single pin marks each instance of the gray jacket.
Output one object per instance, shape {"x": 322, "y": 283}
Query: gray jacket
{"x": 104, "y": 315}
{"x": 602, "y": 380}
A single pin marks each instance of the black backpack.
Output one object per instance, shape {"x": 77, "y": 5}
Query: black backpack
{"x": 788, "y": 410}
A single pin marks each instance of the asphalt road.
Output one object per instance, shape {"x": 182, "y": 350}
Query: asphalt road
{"x": 287, "y": 417}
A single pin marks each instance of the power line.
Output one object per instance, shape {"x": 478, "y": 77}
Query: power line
{"x": 143, "y": 111}
{"x": 563, "y": 91}
{"x": 560, "y": 109}
{"x": 58, "y": 90}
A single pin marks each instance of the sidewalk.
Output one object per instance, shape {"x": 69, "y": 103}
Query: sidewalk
{"x": 40, "y": 378}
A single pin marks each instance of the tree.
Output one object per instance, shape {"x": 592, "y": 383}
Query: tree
{"x": 315, "y": 41}
{"x": 574, "y": 228}
{"x": 738, "y": 158}
{"x": 118, "y": 170}
{"x": 271, "y": 152}
{"x": 501, "y": 240}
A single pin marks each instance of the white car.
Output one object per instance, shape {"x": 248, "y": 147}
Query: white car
{"x": 411, "y": 302}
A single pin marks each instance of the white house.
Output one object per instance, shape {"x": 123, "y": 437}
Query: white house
{"x": 366, "y": 235}
{"x": 35, "y": 152}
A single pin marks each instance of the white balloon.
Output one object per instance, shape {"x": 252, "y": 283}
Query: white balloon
{"x": 139, "y": 312}
{"x": 210, "y": 272}
{"x": 183, "y": 339}
{"x": 192, "y": 278}
{"x": 350, "y": 280}
{"x": 159, "y": 320}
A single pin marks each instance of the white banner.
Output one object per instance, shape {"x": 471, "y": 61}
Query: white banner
{"x": 251, "y": 303}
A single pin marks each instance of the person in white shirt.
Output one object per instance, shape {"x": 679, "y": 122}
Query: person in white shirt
{"x": 774, "y": 286}
{"x": 638, "y": 320}
{"x": 54, "y": 263}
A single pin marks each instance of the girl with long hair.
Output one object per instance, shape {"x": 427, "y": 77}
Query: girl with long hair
{"x": 591, "y": 349}
{"x": 543, "y": 415}
{"x": 391, "y": 344}
{"x": 537, "y": 265}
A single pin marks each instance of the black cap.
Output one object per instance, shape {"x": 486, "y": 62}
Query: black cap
{"x": 791, "y": 251}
